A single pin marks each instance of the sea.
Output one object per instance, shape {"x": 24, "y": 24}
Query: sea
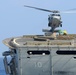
{"x": 2, "y": 70}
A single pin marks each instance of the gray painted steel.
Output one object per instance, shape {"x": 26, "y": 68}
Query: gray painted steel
{"x": 31, "y": 57}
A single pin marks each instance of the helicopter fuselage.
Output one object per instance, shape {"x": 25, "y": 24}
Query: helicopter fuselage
{"x": 54, "y": 21}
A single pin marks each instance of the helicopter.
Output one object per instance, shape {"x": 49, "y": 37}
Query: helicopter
{"x": 54, "y": 19}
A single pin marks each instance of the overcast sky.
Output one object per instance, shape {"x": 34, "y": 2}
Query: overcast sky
{"x": 17, "y": 20}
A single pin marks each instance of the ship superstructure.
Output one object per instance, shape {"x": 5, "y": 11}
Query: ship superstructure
{"x": 41, "y": 55}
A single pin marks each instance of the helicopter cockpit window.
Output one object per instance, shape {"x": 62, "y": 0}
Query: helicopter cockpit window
{"x": 55, "y": 15}
{"x": 58, "y": 15}
{"x": 38, "y": 52}
{"x": 52, "y": 14}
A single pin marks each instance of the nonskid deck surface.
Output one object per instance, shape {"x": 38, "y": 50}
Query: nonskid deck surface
{"x": 40, "y": 40}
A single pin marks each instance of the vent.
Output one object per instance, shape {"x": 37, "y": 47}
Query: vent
{"x": 67, "y": 52}
{"x": 38, "y": 52}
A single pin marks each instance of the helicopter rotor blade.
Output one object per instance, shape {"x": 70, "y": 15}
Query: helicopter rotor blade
{"x": 54, "y": 11}
{"x": 69, "y": 11}
{"x": 74, "y": 9}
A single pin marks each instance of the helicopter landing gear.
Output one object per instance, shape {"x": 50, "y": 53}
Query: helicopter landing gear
{"x": 61, "y": 25}
{"x": 49, "y": 24}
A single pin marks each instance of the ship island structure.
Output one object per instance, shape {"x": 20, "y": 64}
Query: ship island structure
{"x": 48, "y": 54}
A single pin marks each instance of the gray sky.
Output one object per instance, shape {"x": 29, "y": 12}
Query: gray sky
{"x": 16, "y": 20}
